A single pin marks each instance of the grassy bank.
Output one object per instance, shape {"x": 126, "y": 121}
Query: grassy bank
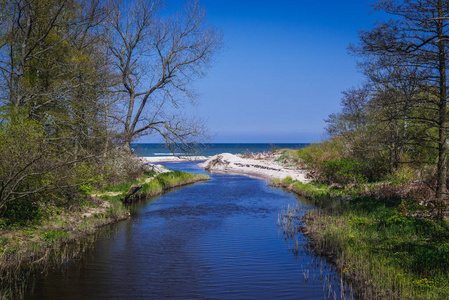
{"x": 41, "y": 242}
{"x": 385, "y": 247}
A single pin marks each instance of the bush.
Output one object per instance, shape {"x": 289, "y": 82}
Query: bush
{"x": 315, "y": 154}
{"x": 120, "y": 167}
{"x": 344, "y": 171}
{"x": 403, "y": 175}
{"x": 22, "y": 210}
{"x": 39, "y": 166}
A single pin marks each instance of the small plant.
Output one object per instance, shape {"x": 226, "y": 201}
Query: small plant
{"x": 287, "y": 180}
{"x": 85, "y": 189}
{"x": 54, "y": 235}
{"x": 358, "y": 221}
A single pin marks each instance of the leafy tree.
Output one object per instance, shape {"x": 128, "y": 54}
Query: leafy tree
{"x": 55, "y": 86}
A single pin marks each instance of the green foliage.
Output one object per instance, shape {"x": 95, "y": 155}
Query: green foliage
{"x": 314, "y": 155}
{"x": 85, "y": 189}
{"x": 22, "y": 211}
{"x": 403, "y": 175}
{"x": 287, "y": 180}
{"x": 332, "y": 162}
{"x": 344, "y": 171}
{"x": 357, "y": 221}
{"x": 172, "y": 179}
{"x": 152, "y": 187}
{"x": 314, "y": 192}
{"x": 3, "y": 242}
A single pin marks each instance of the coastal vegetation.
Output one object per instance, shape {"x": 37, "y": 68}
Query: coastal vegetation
{"x": 79, "y": 81}
{"x": 380, "y": 178}
{"x": 387, "y": 247}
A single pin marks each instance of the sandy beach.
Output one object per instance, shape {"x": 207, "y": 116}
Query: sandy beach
{"x": 159, "y": 159}
{"x": 261, "y": 166}
{"x": 264, "y": 167}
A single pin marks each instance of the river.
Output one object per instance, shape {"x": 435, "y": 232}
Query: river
{"x": 213, "y": 240}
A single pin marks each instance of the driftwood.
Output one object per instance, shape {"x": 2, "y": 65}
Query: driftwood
{"x": 133, "y": 189}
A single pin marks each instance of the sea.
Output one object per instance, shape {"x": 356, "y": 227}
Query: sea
{"x": 210, "y": 149}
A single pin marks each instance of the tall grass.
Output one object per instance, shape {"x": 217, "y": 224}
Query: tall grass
{"x": 379, "y": 245}
{"x": 319, "y": 194}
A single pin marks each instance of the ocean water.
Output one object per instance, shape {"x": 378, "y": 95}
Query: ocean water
{"x": 148, "y": 150}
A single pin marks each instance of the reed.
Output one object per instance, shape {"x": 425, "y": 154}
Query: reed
{"x": 380, "y": 246}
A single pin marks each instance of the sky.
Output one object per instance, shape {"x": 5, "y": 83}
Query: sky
{"x": 282, "y": 69}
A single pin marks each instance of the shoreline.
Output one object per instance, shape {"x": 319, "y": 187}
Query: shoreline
{"x": 159, "y": 159}
{"x": 36, "y": 247}
{"x": 263, "y": 166}
{"x": 349, "y": 231}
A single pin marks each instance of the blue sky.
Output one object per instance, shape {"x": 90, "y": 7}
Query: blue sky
{"x": 283, "y": 67}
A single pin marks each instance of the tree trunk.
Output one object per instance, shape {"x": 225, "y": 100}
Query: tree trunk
{"x": 127, "y": 143}
{"x": 442, "y": 107}
{"x": 134, "y": 189}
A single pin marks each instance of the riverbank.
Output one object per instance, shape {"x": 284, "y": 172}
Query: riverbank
{"x": 25, "y": 248}
{"x": 386, "y": 247}
{"x": 261, "y": 165}
{"x": 159, "y": 159}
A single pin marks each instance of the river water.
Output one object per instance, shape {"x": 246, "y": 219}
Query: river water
{"x": 213, "y": 240}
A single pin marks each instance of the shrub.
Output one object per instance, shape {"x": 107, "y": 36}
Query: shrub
{"x": 287, "y": 180}
{"x": 315, "y": 154}
{"x": 344, "y": 171}
{"x": 85, "y": 189}
{"x": 22, "y": 210}
{"x": 403, "y": 175}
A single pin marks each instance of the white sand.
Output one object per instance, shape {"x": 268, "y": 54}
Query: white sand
{"x": 260, "y": 168}
{"x": 158, "y": 159}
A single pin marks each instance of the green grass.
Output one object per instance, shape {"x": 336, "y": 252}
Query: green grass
{"x": 166, "y": 181}
{"x": 405, "y": 257}
{"x": 121, "y": 187}
{"x": 378, "y": 245}
{"x": 157, "y": 184}
{"x": 318, "y": 194}
{"x": 54, "y": 235}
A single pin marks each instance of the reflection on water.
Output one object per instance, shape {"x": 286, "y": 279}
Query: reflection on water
{"x": 217, "y": 239}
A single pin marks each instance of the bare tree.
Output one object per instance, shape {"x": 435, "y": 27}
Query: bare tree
{"x": 354, "y": 114}
{"x": 396, "y": 89}
{"x": 156, "y": 59}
